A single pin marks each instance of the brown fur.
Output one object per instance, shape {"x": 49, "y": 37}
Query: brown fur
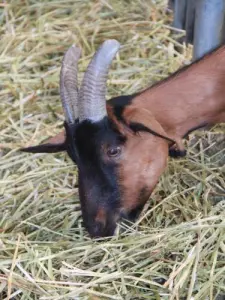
{"x": 143, "y": 159}
{"x": 143, "y": 116}
{"x": 193, "y": 97}
{"x": 142, "y": 162}
{"x": 187, "y": 100}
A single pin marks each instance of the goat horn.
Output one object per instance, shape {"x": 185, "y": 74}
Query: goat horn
{"x": 69, "y": 84}
{"x": 92, "y": 102}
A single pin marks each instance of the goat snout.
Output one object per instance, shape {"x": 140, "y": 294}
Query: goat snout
{"x": 103, "y": 224}
{"x": 100, "y": 229}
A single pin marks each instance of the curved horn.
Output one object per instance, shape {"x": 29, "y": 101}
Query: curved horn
{"x": 92, "y": 102}
{"x": 69, "y": 84}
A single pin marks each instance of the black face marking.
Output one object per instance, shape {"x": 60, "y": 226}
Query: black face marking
{"x": 120, "y": 103}
{"x": 122, "y": 100}
{"x": 136, "y": 127}
{"x": 118, "y": 112}
{"x": 98, "y": 179}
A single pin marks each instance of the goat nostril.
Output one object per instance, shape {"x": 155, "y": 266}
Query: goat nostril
{"x": 97, "y": 229}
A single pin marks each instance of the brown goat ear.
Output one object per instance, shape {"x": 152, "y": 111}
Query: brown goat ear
{"x": 140, "y": 119}
{"x": 52, "y": 145}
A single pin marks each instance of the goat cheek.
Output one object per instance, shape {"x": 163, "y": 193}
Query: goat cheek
{"x": 128, "y": 188}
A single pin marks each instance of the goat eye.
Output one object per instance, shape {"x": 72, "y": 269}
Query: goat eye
{"x": 114, "y": 151}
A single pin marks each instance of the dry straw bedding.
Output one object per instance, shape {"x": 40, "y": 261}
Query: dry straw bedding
{"x": 176, "y": 250}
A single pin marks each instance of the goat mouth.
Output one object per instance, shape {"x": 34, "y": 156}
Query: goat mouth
{"x": 98, "y": 229}
{"x": 109, "y": 228}
{"x": 132, "y": 215}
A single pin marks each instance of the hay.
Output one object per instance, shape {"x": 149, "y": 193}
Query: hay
{"x": 176, "y": 250}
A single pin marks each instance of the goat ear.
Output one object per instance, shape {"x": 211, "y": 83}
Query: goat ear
{"x": 52, "y": 145}
{"x": 140, "y": 119}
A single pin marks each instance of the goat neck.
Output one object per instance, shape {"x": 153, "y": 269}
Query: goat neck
{"x": 190, "y": 98}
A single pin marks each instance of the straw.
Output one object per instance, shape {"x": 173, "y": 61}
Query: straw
{"x": 176, "y": 250}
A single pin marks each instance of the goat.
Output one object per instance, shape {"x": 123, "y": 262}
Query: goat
{"x": 121, "y": 147}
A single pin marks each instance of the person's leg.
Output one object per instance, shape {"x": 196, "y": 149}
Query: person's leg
{"x": 209, "y": 24}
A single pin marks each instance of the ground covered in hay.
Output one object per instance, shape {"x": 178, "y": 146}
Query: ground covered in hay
{"x": 176, "y": 250}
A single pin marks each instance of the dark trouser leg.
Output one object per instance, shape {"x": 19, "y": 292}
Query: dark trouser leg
{"x": 204, "y": 22}
{"x": 190, "y": 21}
{"x": 171, "y": 4}
{"x": 208, "y": 29}
{"x": 179, "y": 13}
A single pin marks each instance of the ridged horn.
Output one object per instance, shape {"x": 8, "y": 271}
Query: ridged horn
{"x": 92, "y": 102}
{"x": 69, "y": 84}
